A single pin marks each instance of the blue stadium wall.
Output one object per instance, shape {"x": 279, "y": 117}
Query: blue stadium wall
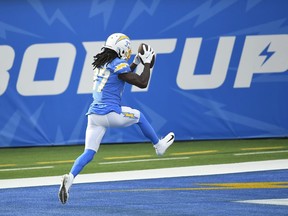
{"x": 220, "y": 73}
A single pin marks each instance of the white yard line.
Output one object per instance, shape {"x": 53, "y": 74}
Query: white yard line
{"x": 152, "y": 173}
{"x": 26, "y": 168}
{"x": 283, "y": 202}
{"x": 263, "y": 152}
{"x": 145, "y": 160}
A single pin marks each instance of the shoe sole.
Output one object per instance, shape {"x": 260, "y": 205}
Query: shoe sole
{"x": 62, "y": 193}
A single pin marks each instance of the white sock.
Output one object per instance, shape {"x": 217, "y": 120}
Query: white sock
{"x": 70, "y": 182}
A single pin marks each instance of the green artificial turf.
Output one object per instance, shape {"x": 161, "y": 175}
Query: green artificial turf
{"x": 52, "y": 161}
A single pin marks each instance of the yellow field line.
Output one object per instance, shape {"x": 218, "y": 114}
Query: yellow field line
{"x": 225, "y": 186}
{"x": 248, "y": 185}
{"x": 7, "y": 165}
{"x": 127, "y": 157}
{"x": 55, "y": 162}
{"x": 263, "y": 148}
{"x": 195, "y": 152}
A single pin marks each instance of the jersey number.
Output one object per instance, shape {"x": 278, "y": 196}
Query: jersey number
{"x": 101, "y": 76}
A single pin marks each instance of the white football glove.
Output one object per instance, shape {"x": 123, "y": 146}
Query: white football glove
{"x": 148, "y": 54}
{"x": 136, "y": 59}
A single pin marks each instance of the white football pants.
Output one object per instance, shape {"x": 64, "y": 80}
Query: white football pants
{"x": 97, "y": 125}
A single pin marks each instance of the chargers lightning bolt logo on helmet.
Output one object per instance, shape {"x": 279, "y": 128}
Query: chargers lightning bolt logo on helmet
{"x": 121, "y": 44}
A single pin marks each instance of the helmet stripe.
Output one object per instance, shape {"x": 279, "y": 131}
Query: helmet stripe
{"x": 122, "y": 38}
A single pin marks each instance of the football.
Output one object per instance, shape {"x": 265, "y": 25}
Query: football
{"x": 140, "y": 50}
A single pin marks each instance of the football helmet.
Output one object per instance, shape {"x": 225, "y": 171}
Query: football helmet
{"x": 121, "y": 44}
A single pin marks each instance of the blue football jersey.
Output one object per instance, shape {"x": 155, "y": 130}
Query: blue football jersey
{"x": 108, "y": 88}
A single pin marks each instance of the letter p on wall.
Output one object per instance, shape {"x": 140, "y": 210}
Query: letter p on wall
{"x": 262, "y": 54}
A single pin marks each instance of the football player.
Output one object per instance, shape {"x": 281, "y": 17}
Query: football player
{"x": 112, "y": 71}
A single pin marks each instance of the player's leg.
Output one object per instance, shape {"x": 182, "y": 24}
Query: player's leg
{"x": 160, "y": 145}
{"x": 131, "y": 116}
{"x": 94, "y": 135}
{"x": 147, "y": 129}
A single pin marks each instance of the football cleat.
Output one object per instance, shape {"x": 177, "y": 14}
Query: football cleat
{"x": 63, "y": 194}
{"x": 164, "y": 144}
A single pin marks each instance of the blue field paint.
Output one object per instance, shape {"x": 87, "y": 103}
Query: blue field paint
{"x": 166, "y": 196}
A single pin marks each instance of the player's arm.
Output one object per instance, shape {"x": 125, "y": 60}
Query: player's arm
{"x": 133, "y": 65}
{"x": 141, "y": 80}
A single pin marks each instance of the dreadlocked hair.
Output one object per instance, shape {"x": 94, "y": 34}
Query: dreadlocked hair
{"x": 104, "y": 57}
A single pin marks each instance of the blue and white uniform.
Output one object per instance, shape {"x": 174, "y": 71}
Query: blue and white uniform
{"x": 108, "y": 88}
{"x": 106, "y": 111}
